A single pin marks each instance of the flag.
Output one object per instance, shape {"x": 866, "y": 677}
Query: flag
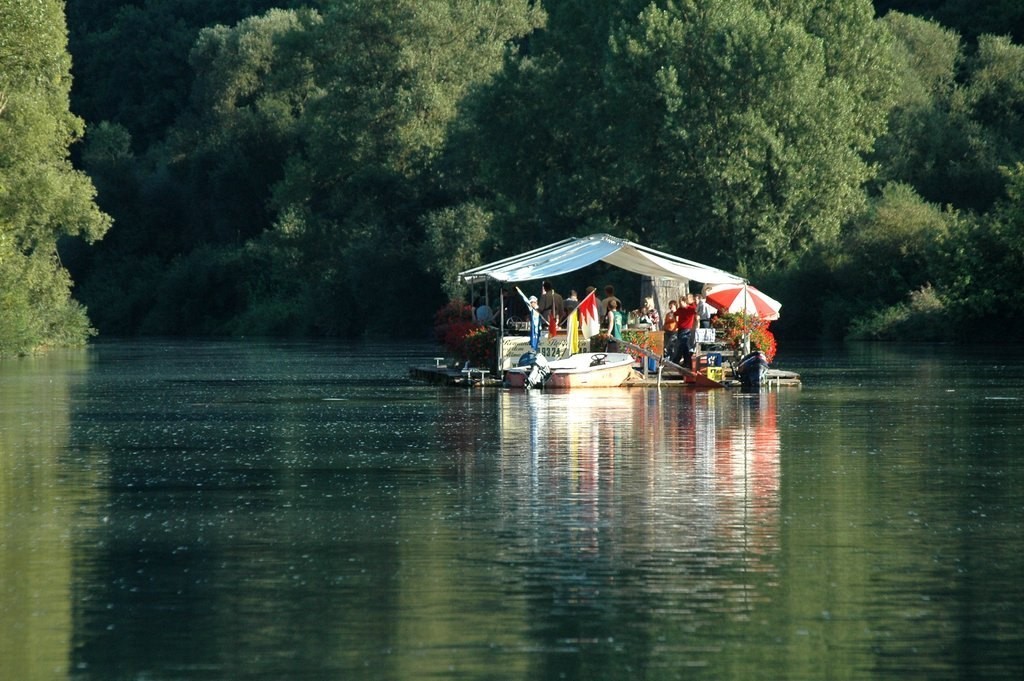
{"x": 552, "y": 325}
{"x": 572, "y": 330}
{"x": 590, "y": 323}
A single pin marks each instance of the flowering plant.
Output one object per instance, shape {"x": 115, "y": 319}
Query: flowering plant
{"x": 455, "y": 337}
{"x": 480, "y": 347}
{"x": 455, "y": 311}
{"x": 641, "y": 338}
{"x": 731, "y": 327}
{"x": 468, "y": 340}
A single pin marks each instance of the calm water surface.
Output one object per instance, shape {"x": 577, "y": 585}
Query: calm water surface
{"x": 254, "y": 510}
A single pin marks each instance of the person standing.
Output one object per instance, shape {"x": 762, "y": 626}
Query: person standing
{"x": 648, "y": 314}
{"x": 551, "y": 303}
{"x": 704, "y": 312}
{"x": 614, "y": 319}
{"x": 535, "y": 324}
{"x": 686, "y": 322}
{"x": 534, "y": 315}
{"x": 609, "y": 295}
{"x": 670, "y": 329}
{"x": 571, "y": 301}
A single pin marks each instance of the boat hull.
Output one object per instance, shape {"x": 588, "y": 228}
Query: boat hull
{"x": 579, "y": 371}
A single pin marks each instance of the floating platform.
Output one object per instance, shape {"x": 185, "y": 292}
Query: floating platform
{"x": 481, "y": 378}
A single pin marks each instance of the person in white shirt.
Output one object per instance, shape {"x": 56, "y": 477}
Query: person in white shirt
{"x": 704, "y": 312}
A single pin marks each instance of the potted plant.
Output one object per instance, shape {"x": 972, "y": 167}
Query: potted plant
{"x": 480, "y": 347}
{"x": 733, "y": 327}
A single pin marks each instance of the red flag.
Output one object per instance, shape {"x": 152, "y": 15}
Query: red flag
{"x": 552, "y": 325}
{"x": 590, "y": 323}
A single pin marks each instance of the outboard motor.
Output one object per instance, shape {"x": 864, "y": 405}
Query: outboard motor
{"x": 539, "y": 372}
{"x": 752, "y": 369}
{"x": 526, "y": 359}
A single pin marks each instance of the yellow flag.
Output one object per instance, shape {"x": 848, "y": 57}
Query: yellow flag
{"x": 572, "y": 328}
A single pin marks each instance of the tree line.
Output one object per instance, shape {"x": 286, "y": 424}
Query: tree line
{"x": 326, "y": 168}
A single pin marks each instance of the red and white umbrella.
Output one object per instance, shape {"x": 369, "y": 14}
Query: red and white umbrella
{"x": 742, "y": 298}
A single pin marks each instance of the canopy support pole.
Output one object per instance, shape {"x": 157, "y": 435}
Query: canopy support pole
{"x": 501, "y": 331}
{"x": 746, "y": 327}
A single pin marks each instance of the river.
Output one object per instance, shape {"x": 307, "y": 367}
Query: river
{"x": 302, "y": 510}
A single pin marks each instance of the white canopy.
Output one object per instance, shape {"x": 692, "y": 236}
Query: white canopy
{"x": 570, "y": 255}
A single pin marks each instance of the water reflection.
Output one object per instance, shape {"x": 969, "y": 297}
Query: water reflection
{"x": 638, "y": 506}
{"x": 40, "y": 500}
{"x": 244, "y": 510}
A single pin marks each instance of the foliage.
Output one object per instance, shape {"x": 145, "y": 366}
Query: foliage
{"x": 242, "y": 123}
{"x": 453, "y": 237}
{"x": 892, "y": 247}
{"x": 275, "y": 168}
{"x": 454, "y": 313}
{"x": 640, "y": 338}
{"x": 36, "y": 310}
{"x": 42, "y": 198}
{"x": 480, "y": 347}
{"x": 984, "y": 276}
{"x": 959, "y": 118}
{"x": 802, "y": 98}
{"x": 132, "y": 58}
{"x": 369, "y": 141}
{"x": 733, "y": 328}
{"x": 728, "y": 130}
{"x": 292, "y": 139}
{"x": 968, "y": 17}
{"x": 919, "y": 270}
{"x": 921, "y": 318}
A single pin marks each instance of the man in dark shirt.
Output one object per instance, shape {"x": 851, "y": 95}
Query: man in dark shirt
{"x": 609, "y": 295}
{"x": 551, "y": 302}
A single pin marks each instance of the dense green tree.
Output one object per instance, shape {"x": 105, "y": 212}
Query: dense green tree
{"x": 252, "y": 84}
{"x": 41, "y": 196}
{"x": 538, "y": 145}
{"x": 392, "y": 75}
{"x": 327, "y": 127}
{"x": 764, "y": 113}
{"x": 207, "y": 185}
{"x": 969, "y": 18}
{"x": 131, "y": 58}
{"x": 984, "y": 269}
{"x": 733, "y": 131}
{"x": 922, "y": 127}
{"x": 295, "y": 171}
{"x": 892, "y": 248}
{"x": 453, "y": 238}
{"x": 958, "y": 118}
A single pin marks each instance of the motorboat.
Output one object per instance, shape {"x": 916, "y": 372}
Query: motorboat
{"x": 582, "y": 370}
{"x": 752, "y": 369}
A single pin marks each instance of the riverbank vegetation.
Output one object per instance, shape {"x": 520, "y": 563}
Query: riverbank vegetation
{"x": 42, "y": 197}
{"x": 326, "y": 167}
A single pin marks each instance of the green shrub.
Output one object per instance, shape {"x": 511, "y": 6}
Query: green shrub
{"x": 922, "y": 317}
